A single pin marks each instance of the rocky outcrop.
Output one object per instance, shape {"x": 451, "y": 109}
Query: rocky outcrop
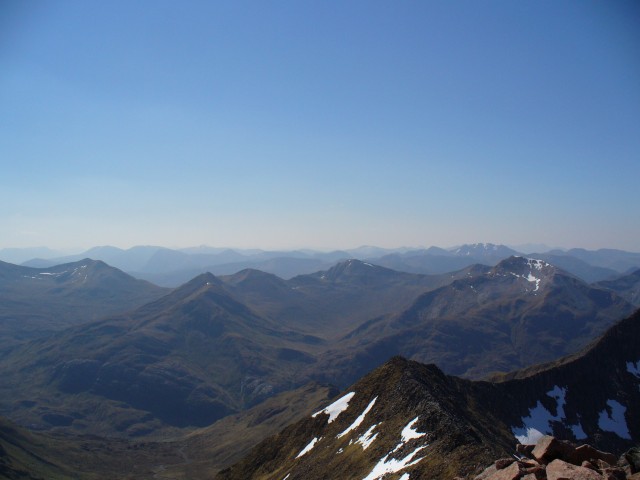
{"x": 554, "y": 459}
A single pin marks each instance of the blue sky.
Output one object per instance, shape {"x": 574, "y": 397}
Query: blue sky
{"x": 319, "y": 124}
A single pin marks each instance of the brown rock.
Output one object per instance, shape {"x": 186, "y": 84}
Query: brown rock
{"x": 561, "y": 470}
{"x": 587, "y": 452}
{"x": 614, "y": 473}
{"x": 549, "y": 448}
{"x": 490, "y": 470}
{"x": 635, "y": 476}
{"x": 538, "y": 472}
{"x": 588, "y": 464}
{"x": 512, "y": 472}
{"x": 601, "y": 464}
{"x": 529, "y": 476}
{"x": 503, "y": 463}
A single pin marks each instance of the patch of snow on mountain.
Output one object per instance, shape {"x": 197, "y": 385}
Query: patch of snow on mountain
{"x": 578, "y": 432}
{"x": 537, "y": 264}
{"x": 614, "y": 421}
{"x": 393, "y": 465}
{"x": 337, "y": 407}
{"x": 308, "y": 448}
{"x": 529, "y": 436}
{"x": 632, "y": 368}
{"x": 368, "y": 437}
{"x": 538, "y": 422}
{"x": 358, "y": 420}
{"x": 409, "y": 433}
{"x": 531, "y": 278}
{"x": 405, "y": 476}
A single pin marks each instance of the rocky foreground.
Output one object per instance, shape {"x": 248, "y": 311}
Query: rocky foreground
{"x": 553, "y": 459}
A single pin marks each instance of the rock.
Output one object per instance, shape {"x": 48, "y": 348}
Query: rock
{"x": 549, "y": 448}
{"x": 503, "y": 463}
{"x": 529, "y": 476}
{"x": 601, "y": 464}
{"x": 512, "y": 472}
{"x": 587, "y": 452}
{"x": 561, "y": 470}
{"x": 614, "y": 473}
{"x": 487, "y": 472}
{"x": 588, "y": 464}
{"x": 635, "y": 476}
{"x": 538, "y": 472}
{"x": 633, "y": 457}
{"x": 528, "y": 463}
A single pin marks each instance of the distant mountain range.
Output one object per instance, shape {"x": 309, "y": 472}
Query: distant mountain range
{"x": 171, "y": 268}
{"x": 219, "y": 345}
{"x": 410, "y": 420}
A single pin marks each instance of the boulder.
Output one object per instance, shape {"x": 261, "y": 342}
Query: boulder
{"x": 633, "y": 457}
{"x": 561, "y": 470}
{"x": 512, "y": 472}
{"x": 490, "y": 470}
{"x": 588, "y": 453}
{"x": 549, "y": 448}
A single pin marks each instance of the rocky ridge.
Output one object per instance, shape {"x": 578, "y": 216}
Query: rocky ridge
{"x": 554, "y": 459}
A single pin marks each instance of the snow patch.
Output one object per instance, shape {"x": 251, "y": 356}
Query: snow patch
{"x": 308, "y": 448}
{"x": 409, "y": 433}
{"x": 393, "y": 465}
{"x": 405, "y": 476}
{"x": 614, "y": 421}
{"x": 632, "y": 368}
{"x": 336, "y": 408}
{"x": 358, "y": 420}
{"x": 538, "y": 422}
{"x": 368, "y": 437}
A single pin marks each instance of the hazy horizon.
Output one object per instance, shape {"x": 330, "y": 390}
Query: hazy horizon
{"x": 319, "y": 125}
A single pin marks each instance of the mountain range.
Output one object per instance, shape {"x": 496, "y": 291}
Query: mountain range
{"x": 219, "y": 345}
{"x": 171, "y": 267}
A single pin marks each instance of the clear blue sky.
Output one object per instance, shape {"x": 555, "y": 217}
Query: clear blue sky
{"x": 321, "y": 124}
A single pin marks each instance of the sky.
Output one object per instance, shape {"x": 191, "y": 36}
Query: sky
{"x": 319, "y": 124}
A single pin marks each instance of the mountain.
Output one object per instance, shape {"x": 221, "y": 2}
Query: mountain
{"x": 490, "y": 252}
{"x": 37, "y": 301}
{"x": 581, "y": 269}
{"x": 187, "y": 359}
{"x": 520, "y": 312}
{"x": 408, "y": 420}
{"x": 613, "y": 259}
{"x": 627, "y": 286}
{"x": 19, "y": 255}
{"x": 332, "y": 302}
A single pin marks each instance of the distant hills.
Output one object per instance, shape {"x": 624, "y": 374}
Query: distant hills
{"x": 35, "y": 302}
{"x": 171, "y": 267}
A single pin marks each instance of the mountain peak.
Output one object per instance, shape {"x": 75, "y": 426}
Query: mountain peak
{"x": 484, "y": 250}
{"x": 353, "y": 268}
